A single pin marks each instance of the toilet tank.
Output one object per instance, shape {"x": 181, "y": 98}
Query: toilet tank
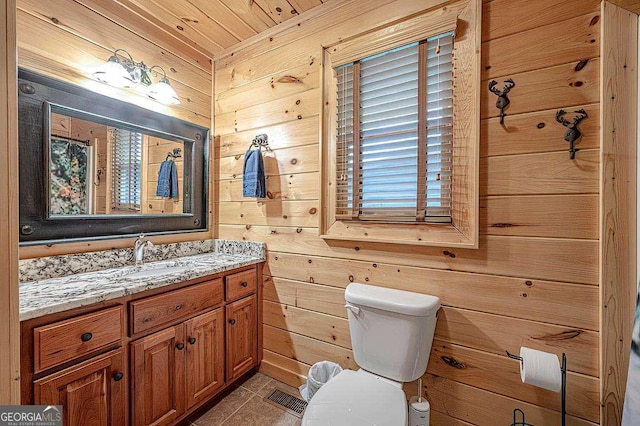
{"x": 391, "y": 330}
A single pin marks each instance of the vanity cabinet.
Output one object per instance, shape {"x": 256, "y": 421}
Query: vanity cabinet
{"x": 204, "y": 356}
{"x": 176, "y": 368}
{"x": 242, "y": 349}
{"x": 92, "y": 392}
{"x": 147, "y": 359}
{"x": 158, "y": 377}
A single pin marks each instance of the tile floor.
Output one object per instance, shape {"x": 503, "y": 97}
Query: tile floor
{"x": 245, "y": 406}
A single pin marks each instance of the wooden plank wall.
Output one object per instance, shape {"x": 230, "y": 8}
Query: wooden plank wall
{"x": 9, "y": 316}
{"x": 618, "y": 194}
{"x": 155, "y": 152}
{"x": 67, "y": 39}
{"x": 534, "y": 280}
{"x": 96, "y": 133}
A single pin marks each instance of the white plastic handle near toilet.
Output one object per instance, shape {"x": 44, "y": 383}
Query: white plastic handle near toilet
{"x": 352, "y": 308}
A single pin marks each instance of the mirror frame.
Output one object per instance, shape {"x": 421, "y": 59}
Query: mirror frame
{"x": 36, "y": 94}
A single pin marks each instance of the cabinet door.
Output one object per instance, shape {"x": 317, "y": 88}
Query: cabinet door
{"x": 242, "y": 337}
{"x": 91, "y": 393}
{"x": 205, "y": 355}
{"x": 158, "y": 377}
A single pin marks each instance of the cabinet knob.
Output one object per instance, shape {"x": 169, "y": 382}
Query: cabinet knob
{"x": 192, "y": 340}
{"x": 244, "y": 283}
{"x": 118, "y": 376}
{"x": 232, "y": 321}
{"x": 86, "y": 337}
{"x": 180, "y": 346}
{"x": 178, "y": 307}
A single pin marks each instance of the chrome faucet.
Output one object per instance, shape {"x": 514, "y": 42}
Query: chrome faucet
{"x": 138, "y": 249}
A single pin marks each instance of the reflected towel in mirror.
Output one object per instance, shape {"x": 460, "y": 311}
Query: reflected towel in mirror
{"x": 167, "y": 180}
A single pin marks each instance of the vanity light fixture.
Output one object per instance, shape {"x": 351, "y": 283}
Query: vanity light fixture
{"x": 122, "y": 71}
{"x": 162, "y": 90}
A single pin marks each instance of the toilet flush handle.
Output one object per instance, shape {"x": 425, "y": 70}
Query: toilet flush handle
{"x": 352, "y": 308}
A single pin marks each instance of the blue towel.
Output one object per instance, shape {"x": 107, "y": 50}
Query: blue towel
{"x": 253, "y": 179}
{"x": 167, "y": 180}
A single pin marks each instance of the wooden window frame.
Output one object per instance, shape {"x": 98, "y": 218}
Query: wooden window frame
{"x": 465, "y": 18}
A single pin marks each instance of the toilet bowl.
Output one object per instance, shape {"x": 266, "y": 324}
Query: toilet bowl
{"x": 391, "y": 335}
{"x": 357, "y": 398}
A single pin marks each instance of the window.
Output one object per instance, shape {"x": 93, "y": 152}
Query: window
{"x": 401, "y": 127}
{"x": 126, "y": 162}
{"x": 394, "y": 127}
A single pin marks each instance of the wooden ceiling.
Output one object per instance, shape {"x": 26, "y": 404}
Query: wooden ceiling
{"x": 632, "y": 5}
{"x": 210, "y": 26}
{"x": 199, "y": 30}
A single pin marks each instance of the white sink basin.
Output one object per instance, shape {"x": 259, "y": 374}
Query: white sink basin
{"x": 157, "y": 271}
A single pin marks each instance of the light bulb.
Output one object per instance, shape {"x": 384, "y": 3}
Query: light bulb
{"x": 163, "y": 93}
{"x": 114, "y": 74}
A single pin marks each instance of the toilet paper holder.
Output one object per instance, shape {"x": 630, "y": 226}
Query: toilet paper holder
{"x": 563, "y": 370}
{"x": 519, "y": 419}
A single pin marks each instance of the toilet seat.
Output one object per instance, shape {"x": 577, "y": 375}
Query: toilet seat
{"x": 357, "y": 398}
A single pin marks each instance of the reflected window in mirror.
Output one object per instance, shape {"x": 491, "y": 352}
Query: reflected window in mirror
{"x": 125, "y": 170}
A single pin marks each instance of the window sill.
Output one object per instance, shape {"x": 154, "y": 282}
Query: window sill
{"x": 440, "y": 235}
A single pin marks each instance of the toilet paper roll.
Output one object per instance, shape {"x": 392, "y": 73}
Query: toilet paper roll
{"x": 540, "y": 369}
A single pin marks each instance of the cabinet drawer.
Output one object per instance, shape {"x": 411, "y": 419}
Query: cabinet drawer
{"x": 164, "y": 308}
{"x": 65, "y": 340}
{"x": 241, "y": 284}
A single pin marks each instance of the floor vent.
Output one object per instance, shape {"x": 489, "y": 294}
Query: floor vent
{"x": 289, "y": 402}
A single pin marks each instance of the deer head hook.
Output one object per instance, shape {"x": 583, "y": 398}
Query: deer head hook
{"x": 573, "y": 132}
{"x": 503, "y": 100}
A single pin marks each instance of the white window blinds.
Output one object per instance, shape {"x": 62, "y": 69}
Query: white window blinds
{"x": 394, "y": 134}
{"x": 126, "y": 163}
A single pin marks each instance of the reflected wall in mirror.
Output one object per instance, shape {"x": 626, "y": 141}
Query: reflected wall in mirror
{"x": 96, "y": 167}
{"x": 99, "y": 169}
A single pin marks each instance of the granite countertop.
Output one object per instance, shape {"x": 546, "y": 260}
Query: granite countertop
{"x": 42, "y": 297}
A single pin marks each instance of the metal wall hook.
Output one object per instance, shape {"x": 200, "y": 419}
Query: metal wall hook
{"x": 573, "y": 132}
{"x": 177, "y": 153}
{"x": 503, "y": 100}
{"x": 101, "y": 171}
{"x": 261, "y": 141}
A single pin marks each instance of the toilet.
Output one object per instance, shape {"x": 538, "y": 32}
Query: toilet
{"x": 391, "y": 335}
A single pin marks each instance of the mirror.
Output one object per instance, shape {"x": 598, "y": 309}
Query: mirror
{"x": 92, "y": 166}
{"x": 97, "y": 169}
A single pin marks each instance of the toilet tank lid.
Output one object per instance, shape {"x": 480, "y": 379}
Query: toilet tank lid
{"x": 392, "y": 300}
